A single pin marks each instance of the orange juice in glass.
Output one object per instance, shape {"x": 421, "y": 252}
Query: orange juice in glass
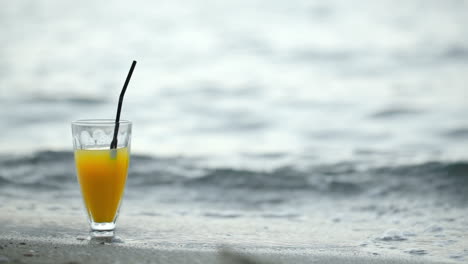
{"x": 101, "y": 171}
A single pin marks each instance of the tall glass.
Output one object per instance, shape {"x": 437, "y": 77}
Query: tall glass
{"x": 101, "y": 171}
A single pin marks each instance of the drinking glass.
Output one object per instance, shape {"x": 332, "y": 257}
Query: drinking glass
{"x": 101, "y": 171}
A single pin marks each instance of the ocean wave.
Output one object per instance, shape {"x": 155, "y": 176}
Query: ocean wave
{"x": 56, "y": 169}
{"x": 43, "y": 169}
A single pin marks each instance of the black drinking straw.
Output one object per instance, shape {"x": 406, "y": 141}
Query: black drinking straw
{"x": 113, "y": 144}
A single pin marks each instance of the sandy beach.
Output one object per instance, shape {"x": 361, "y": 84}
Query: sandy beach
{"x": 37, "y": 251}
{"x": 40, "y": 239}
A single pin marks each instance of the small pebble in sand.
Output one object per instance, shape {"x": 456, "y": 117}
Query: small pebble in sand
{"x": 392, "y": 235}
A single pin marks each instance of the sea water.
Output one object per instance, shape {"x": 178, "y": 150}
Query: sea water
{"x": 324, "y": 116}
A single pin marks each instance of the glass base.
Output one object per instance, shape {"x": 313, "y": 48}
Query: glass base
{"x": 104, "y": 240}
{"x": 102, "y": 229}
{"x": 102, "y": 234}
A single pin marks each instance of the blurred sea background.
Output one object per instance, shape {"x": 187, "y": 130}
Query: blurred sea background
{"x": 349, "y": 113}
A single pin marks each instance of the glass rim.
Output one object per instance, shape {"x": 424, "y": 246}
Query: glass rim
{"x": 99, "y": 122}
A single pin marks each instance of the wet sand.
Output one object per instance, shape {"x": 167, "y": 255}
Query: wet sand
{"x": 30, "y": 251}
{"x": 28, "y": 238}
